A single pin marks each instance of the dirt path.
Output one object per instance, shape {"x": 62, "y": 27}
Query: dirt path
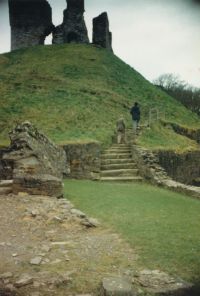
{"x": 46, "y": 250}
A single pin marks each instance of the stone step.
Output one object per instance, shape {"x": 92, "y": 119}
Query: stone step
{"x": 120, "y": 146}
{"x": 116, "y": 155}
{"x": 121, "y": 172}
{"x": 5, "y": 190}
{"x": 6, "y": 183}
{"x": 121, "y": 179}
{"x": 117, "y": 150}
{"x": 118, "y": 166}
{"x": 117, "y": 161}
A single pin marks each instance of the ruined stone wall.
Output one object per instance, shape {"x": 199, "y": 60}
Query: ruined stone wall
{"x": 182, "y": 167}
{"x": 150, "y": 168}
{"x": 73, "y": 28}
{"x": 191, "y": 134}
{"x": 30, "y": 21}
{"x": 84, "y": 160}
{"x": 38, "y": 164}
{"x": 101, "y": 33}
{"x": 6, "y": 166}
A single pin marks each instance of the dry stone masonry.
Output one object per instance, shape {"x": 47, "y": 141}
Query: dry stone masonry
{"x": 84, "y": 160}
{"x": 182, "y": 167}
{"x": 150, "y": 168}
{"x": 38, "y": 164}
{"x": 30, "y": 21}
{"x": 101, "y": 33}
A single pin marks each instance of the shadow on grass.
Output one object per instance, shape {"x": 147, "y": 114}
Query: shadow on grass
{"x": 192, "y": 291}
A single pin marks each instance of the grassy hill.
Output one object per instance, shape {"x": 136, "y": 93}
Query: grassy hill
{"x": 78, "y": 92}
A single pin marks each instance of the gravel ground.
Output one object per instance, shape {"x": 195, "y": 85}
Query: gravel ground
{"x": 49, "y": 248}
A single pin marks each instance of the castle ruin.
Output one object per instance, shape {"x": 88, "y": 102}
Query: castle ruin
{"x": 73, "y": 28}
{"x": 31, "y": 23}
{"x": 101, "y": 34}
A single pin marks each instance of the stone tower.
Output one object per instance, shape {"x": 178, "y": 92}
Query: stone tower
{"x": 101, "y": 33}
{"x": 73, "y": 28}
{"x": 30, "y": 21}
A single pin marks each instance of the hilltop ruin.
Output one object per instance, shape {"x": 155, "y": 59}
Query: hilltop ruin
{"x": 73, "y": 28}
{"x": 101, "y": 33}
{"x": 31, "y": 22}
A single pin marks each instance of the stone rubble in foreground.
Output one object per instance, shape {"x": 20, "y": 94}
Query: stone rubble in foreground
{"x": 57, "y": 230}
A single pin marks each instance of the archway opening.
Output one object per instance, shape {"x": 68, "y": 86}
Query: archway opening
{"x": 48, "y": 39}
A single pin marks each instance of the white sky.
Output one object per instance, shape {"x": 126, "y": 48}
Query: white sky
{"x": 153, "y": 36}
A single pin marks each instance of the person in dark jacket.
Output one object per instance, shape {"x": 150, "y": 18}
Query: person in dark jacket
{"x": 135, "y": 112}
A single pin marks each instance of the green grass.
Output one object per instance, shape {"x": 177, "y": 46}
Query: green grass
{"x": 161, "y": 225}
{"x": 77, "y": 92}
{"x": 159, "y": 137}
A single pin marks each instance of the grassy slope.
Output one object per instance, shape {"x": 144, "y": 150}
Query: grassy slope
{"x": 163, "y": 226}
{"x": 77, "y": 91}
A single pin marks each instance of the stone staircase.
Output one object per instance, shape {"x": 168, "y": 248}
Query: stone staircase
{"x": 6, "y": 187}
{"x": 117, "y": 164}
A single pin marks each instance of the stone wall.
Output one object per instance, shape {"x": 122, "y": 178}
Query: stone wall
{"x": 73, "y": 28}
{"x": 149, "y": 167}
{"x": 193, "y": 134}
{"x": 101, "y": 33}
{"x": 6, "y": 166}
{"x": 30, "y": 21}
{"x": 84, "y": 160}
{"x": 182, "y": 167}
{"x": 38, "y": 164}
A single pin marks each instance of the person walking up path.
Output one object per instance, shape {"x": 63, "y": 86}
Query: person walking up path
{"x": 120, "y": 126}
{"x": 135, "y": 112}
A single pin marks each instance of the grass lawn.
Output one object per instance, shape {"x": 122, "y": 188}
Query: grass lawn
{"x": 162, "y": 226}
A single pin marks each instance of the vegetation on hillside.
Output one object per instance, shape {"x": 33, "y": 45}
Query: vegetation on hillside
{"x": 77, "y": 92}
{"x": 160, "y": 137}
{"x": 185, "y": 93}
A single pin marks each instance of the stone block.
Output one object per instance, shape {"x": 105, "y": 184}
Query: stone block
{"x": 46, "y": 185}
{"x": 116, "y": 286}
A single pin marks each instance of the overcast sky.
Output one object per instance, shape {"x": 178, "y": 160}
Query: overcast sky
{"x": 153, "y": 36}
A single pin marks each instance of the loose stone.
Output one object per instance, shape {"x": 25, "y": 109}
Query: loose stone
{"x": 6, "y": 275}
{"x": 116, "y": 286}
{"x": 78, "y": 213}
{"x": 36, "y": 261}
{"x": 24, "y": 280}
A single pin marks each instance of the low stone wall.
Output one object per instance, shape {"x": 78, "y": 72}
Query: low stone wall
{"x": 193, "y": 134}
{"x": 6, "y": 166}
{"x": 150, "y": 168}
{"x": 34, "y": 163}
{"x": 84, "y": 160}
{"x": 182, "y": 167}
